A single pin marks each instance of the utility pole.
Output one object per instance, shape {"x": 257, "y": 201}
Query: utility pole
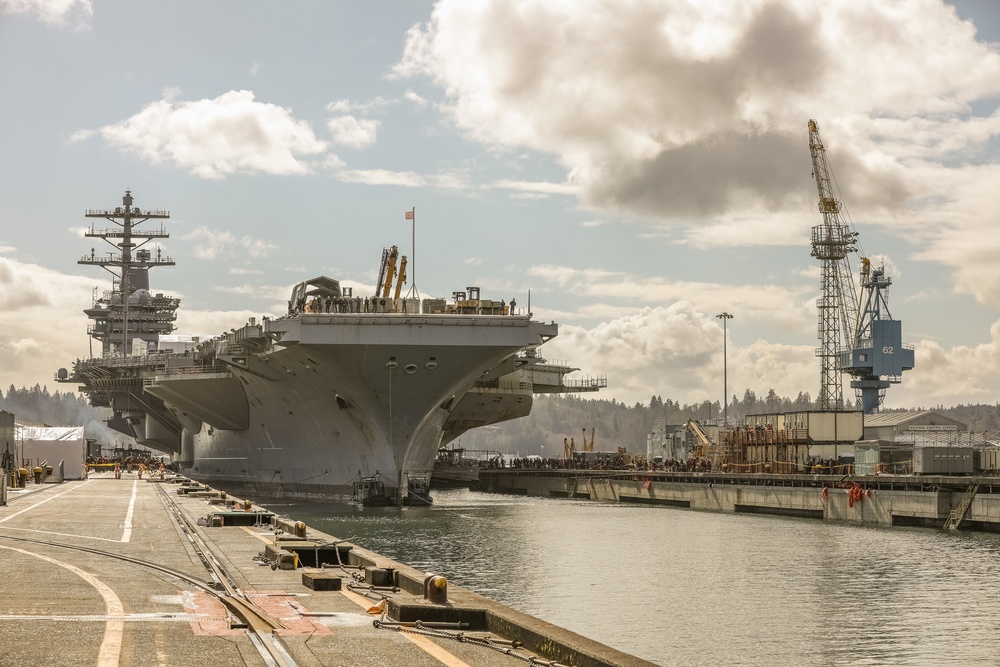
{"x": 725, "y": 371}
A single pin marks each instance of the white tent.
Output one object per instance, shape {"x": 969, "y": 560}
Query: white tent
{"x": 53, "y": 444}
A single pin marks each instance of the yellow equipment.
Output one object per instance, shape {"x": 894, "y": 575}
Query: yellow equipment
{"x": 390, "y": 271}
{"x": 402, "y": 277}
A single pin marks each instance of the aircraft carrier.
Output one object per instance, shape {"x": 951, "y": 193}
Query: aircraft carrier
{"x": 340, "y": 388}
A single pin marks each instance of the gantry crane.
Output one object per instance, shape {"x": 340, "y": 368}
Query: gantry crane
{"x": 872, "y": 351}
{"x": 877, "y": 357}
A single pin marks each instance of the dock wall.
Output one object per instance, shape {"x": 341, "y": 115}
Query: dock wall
{"x": 875, "y": 500}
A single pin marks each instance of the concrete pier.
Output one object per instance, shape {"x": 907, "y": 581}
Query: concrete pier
{"x": 109, "y": 571}
{"x": 972, "y": 503}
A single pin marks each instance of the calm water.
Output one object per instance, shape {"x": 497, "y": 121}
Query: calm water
{"x": 681, "y": 587}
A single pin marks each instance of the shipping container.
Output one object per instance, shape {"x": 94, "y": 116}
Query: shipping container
{"x": 943, "y": 460}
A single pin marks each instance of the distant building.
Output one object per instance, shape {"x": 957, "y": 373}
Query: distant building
{"x": 924, "y": 427}
{"x": 922, "y": 442}
{"x": 668, "y": 441}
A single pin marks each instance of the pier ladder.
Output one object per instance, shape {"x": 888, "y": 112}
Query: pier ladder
{"x": 956, "y": 516}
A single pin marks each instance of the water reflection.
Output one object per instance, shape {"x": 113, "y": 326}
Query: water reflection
{"x": 695, "y": 588}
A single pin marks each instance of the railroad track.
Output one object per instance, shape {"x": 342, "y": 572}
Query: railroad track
{"x": 258, "y": 624}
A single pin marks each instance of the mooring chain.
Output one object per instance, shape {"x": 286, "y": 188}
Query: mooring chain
{"x": 507, "y": 647}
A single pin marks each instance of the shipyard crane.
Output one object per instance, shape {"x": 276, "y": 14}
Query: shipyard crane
{"x": 877, "y": 357}
{"x": 832, "y": 243}
{"x": 872, "y": 351}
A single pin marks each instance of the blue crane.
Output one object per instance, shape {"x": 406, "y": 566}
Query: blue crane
{"x": 878, "y": 356}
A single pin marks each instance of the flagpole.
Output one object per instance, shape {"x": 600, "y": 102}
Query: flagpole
{"x": 412, "y": 217}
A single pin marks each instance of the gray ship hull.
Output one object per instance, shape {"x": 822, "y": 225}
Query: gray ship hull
{"x": 345, "y": 396}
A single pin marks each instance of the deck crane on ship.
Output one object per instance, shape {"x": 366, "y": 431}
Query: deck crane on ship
{"x": 873, "y": 353}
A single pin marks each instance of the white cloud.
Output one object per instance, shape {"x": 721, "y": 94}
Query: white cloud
{"x": 81, "y": 135}
{"x": 45, "y": 328}
{"x": 958, "y": 228}
{"x": 455, "y": 180}
{"x": 212, "y": 243}
{"x": 417, "y": 100}
{"x": 678, "y": 352}
{"x": 687, "y": 111}
{"x": 789, "y": 307}
{"x": 353, "y": 132}
{"x": 213, "y": 138}
{"x": 53, "y": 12}
{"x": 345, "y": 106}
{"x": 538, "y": 187}
{"x": 951, "y": 376}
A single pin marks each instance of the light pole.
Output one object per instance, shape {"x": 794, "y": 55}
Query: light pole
{"x": 725, "y": 371}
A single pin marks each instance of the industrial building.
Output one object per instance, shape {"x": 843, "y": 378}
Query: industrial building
{"x": 924, "y": 427}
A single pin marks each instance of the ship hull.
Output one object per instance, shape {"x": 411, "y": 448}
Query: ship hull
{"x": 345, "y": 398}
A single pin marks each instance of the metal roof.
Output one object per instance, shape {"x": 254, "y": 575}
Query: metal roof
{"x": 900, "y": 418}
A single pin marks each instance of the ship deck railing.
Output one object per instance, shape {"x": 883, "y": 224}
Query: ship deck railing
{"x": 587, "y": 383}
{"x": 506, "y": 385}
{"x": 191, "y": 372}
{"x": 118, "y": 361}
{"x": 484, "y": 319}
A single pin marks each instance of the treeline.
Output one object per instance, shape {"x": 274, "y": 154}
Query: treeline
{"x": 38, "y": 407}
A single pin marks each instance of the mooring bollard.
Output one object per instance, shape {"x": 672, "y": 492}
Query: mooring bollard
{"x": 436, "y": 589}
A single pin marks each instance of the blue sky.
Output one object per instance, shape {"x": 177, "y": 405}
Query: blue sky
{"x": 637, "y": 167}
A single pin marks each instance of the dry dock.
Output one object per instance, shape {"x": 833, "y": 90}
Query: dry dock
{"x": 109, "y": 571}
{"x": 938, "y": 501}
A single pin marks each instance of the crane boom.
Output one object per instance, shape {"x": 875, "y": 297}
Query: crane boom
{"x": 401, "y": 278}
{"x": 390, "y": 271}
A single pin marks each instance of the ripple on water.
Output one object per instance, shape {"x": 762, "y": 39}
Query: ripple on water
{"x": 695, "y": 588}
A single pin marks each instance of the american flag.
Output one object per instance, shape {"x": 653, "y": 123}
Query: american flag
{"x": 409, "y": 215}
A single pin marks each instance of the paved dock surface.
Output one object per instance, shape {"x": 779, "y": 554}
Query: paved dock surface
{"x": 109, "y": 571}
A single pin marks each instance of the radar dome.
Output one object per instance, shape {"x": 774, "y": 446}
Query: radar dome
{"x": 140, "y": 296}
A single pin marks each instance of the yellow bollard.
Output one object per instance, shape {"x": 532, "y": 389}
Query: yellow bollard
{"x": 437, "y": 590}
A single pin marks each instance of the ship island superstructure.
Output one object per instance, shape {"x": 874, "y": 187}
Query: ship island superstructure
{"x": 337, "y": 389}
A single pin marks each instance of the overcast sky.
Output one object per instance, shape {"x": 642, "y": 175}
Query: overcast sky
{"x": 638, "y": 167}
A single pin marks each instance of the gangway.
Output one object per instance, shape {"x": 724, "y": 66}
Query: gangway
{"x": 956, "y": 516}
